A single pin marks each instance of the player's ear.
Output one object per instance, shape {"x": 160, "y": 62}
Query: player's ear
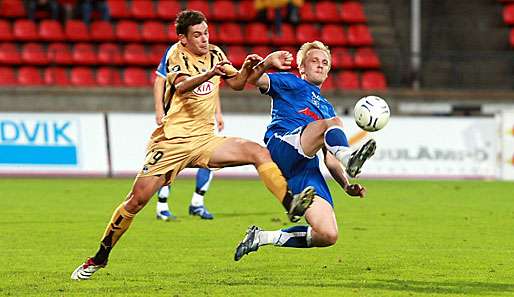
{"x": 182, "y": 38}
{"x": 301, "y": 69}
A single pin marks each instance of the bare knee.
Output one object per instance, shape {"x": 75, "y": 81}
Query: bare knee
{"x": 335, "y": 121}
{"x": 258, "y": 153}
{"x": 136, "y": 200}
{"x": 325, "y": 238}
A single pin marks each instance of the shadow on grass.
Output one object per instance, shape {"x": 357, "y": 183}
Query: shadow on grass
{"x": 468, "y": 288}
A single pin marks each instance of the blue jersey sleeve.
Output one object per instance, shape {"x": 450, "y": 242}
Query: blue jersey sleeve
{"x": 162, "y": 70}
{"x": 281, "y": 81}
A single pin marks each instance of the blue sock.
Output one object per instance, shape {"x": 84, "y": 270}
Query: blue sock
{"x": 335, "y": 139}
{"x": 296, "y": 236}
{"x": 203, "y": 180}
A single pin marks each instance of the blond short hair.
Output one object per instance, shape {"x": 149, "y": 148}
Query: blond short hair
{"x": 306, "y": 47}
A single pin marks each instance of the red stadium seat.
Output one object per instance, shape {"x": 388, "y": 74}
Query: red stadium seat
{"x": 347, "y": 80}
{"x": 306, "y": 33}
{"x": 25, "y": 30}
{"x": 352, "y": 12}
{"x": 307, "y": 13}
{"x": 287, "y": 36}
{"x": 59, "y": 53}
{"x": 508, "y": 14}
{"x": 333, "y": 35}
{"x": 135, "y": 54}
{"x": 9, "y": 54}
{"x": 236, "y": 55}
{"x": 12, "y": 9}
{"x": 76, "y": 30}
{"x": 366, "y": 58}
{"x": 154, "y": 32}
{"x": 327, "y": 12}
{"x": 231, "y": 33}
{"x": 109, "y": 54}
{"x": 342, "y": 58}
{"x": 118, "y": 9}
{"x": 84, "y": 54}
{"x": 168, "y": 9}
{"x": 106, "y": 76}
{"x": 224, "y": 10}
{"x": 359, "y": 35}
{"x": 142, "y": 9}
{"x": 57, "y": 76}
{"x": 102, "y": 31}
{"x": 172, "y": 33}
{"x": 6, "y": 31}
{"x": 128, "y": 31}
{"x": 328, "y": 84}
{"x": 257, "y": 33}
{"x": 7, "y": 76}
{"x": 29, "y": 76}
{"x": 156, "y": 53}
{"x": 373, "y": 80}
{"x": 82, "y": 77}
{"x": 200, "y": 5}
{"x": 246, "y": 11}
{"x": 50, "y": 30}
{"x": 261, "y": 50}
{"x": 135, "y": 77}
{"x": 34, "y": 54}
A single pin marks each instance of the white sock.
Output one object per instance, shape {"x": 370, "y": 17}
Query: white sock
{"x": 269, "y": 237}
{"x": 162, "y": 206}
{"x": 197, "y": 199}
{"x": 163, "y": 192}
{"x": 343, "y": 155}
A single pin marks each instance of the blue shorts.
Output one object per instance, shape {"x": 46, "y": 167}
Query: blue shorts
{"x": 299, "y": 170}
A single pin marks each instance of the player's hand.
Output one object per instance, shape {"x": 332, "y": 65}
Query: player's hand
{"x": 251, "y": 60}
{"x": 218, "y": 69}
{"x": 355, "y": 190}
{"x": 220, "y": 122}
{"x": 280, "y": 59}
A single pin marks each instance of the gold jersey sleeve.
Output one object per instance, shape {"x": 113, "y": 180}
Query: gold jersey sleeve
{"x": 192, "y": 113}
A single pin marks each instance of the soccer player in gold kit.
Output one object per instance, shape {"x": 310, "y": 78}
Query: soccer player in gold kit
{"x": 186, "y": 137}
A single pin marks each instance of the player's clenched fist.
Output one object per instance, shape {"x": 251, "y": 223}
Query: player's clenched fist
{"x": 355, "y": 190}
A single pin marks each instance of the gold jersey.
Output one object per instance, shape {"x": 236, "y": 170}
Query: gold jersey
{"x": 192, "y": 113}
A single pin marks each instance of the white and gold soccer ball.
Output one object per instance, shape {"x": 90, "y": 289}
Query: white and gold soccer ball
{"x": 371, "y": 113}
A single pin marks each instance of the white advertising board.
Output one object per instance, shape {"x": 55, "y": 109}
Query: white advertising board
{"x": 53, "y": 144}
{"x": 507, "y": 139}
{"x": 409, "y": 147}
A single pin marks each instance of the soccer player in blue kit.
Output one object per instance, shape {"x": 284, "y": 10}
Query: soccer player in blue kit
{"x": 302, "y": 123}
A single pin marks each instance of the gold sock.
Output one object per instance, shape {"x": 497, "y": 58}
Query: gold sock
{"x": 274, "y": 181}
{"x": 119, "y": 223}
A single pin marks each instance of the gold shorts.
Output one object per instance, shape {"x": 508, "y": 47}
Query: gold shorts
{"x": 170, "y": 156}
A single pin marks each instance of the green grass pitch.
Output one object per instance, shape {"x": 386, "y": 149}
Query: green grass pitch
{"x": 407, "y": 238}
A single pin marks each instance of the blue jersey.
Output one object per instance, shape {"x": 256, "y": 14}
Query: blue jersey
{"x": 162, "y": 69}
{"x": 295, "y": 103}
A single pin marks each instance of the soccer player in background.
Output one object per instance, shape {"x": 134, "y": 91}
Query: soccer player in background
{"x": 186, "y": 137}
{"x": 203, "y": 175}
{"x": 304, "y": 122}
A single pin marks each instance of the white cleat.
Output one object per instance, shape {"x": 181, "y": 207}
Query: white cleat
{"x": 86, "y": 270}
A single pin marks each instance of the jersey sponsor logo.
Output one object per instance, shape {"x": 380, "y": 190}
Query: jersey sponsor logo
{"x": 306, "y": 111}
{"x": 204, "y": 89}
{"x": 175, "y": 68}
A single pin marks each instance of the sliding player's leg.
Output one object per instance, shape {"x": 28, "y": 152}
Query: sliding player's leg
{"x": 236, "y": 151}
{"x": 162, "y": 211}
{"x": 142, "y": 190}
{"x": 330, "y": 133}
{"x": 203, "y": 181}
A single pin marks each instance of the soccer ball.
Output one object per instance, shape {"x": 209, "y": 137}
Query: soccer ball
{"x": 371, "y": 113}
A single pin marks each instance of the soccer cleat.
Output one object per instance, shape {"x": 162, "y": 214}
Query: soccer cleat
{"x": 165, "y": 215}
{"x": 360, "y": 156}
{"x": 200, "y": 211}
{"x": 300, "y": 203}
{"x": 249, "y": 244}
{"x": 86, "y": 270}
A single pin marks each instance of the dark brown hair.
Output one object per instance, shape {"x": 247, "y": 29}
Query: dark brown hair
{"x": 188, "y": 18}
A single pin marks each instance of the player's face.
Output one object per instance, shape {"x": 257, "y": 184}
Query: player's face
{"x": 197, "y": 39}
{"x": 315, "y": 66}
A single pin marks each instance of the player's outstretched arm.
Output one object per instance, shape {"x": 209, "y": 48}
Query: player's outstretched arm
{"x": 337, "y": 172}
{"x": 237, "y": 79}
{"x": 185, "y": 83}
{"x": 279, "y": 59}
